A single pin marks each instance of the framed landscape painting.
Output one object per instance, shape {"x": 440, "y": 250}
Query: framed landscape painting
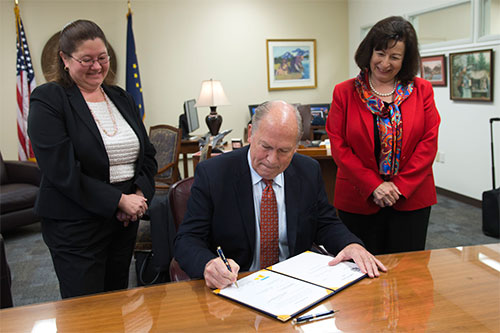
{"x": 291, "y": 64}
{"x": 471, "y": 76}
{"x": 433, "y": 69}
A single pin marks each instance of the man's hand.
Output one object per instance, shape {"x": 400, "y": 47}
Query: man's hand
{"x": 364, "y": 259}
{"x": 218, "y": 276}
{"x": 386, "y": 194}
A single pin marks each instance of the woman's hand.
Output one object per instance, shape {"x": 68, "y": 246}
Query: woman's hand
{"x": 386, "y": 194}
{"x": 133, "y": 205}
{"x": 123, "y": 217}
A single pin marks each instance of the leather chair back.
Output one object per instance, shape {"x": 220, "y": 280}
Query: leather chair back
{"x": 305, "y": 113}
{"x": 3, "y": 172}
{"x": 178, "y": 196}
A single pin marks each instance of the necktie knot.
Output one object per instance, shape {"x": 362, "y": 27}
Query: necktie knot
{"x": 268, "y": 182}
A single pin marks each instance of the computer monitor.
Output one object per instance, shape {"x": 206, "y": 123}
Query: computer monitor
{"x": 252, "y": 108}
{"x": 323, "y": 108}
{"x": 191, "y": 113}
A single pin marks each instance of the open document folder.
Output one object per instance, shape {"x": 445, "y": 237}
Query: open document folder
{"x": 292, "y": 286}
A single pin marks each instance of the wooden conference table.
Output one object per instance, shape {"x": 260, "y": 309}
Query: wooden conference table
{"x": 446, "y": 290}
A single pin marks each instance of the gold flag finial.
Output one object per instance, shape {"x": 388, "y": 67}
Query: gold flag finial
{"x": 129, "y": 8}
{"x": 16, "y": 2}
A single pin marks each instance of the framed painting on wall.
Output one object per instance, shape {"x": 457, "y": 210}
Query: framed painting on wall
{"x": 471, "y": 76}
{"x": 291, "y": 64}
{"x": 433, "y": 69}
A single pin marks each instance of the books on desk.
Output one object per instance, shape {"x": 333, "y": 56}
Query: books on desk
{"x": 290, "y": 287}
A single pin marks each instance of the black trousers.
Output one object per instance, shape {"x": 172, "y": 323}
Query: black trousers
{"x": 91, "y": 255}
{"x": 389, "y": 230}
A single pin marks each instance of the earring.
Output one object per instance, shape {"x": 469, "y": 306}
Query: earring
{"x": 66, "y": 68}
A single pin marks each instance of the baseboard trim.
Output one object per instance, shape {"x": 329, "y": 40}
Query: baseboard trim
{"x": 459, "y": 197}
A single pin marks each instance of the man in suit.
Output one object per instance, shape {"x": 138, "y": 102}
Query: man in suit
{"x": 225, "y": 205}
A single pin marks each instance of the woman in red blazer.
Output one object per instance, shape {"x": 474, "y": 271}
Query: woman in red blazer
{"x": 383, "y": 128}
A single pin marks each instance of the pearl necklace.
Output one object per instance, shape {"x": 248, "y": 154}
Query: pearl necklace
{"x": 379, "y": 93}
{"x": 115, "y": 126}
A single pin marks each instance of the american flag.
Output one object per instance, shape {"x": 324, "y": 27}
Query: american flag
{"x": 25, "y": 85}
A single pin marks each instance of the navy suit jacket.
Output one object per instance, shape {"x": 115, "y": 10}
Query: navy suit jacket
{"x": 220, "y": 212}
{"x": 72, "y": 157}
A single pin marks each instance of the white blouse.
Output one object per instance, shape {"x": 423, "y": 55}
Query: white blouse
{"x": 122, "y": 147}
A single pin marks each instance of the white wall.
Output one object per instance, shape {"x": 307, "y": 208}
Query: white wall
{"x": 182, "y": 42}
{"x": 464, "y": 136}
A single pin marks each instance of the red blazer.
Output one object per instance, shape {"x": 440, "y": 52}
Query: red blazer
{"x": 351, "y": 131}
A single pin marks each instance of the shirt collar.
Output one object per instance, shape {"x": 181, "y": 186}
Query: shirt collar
{"x": 256, "y": 178}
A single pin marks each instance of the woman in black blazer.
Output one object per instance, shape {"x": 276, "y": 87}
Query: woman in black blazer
{"x": 97, "y": 166}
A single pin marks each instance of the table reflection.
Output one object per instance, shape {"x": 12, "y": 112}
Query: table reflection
{"x": 382, "y": 304}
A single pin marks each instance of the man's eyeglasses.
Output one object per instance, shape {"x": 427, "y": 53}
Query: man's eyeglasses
{"x": 87, "y": 62}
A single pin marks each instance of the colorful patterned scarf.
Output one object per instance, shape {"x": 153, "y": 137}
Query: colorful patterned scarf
{"x": 389, "y": 122}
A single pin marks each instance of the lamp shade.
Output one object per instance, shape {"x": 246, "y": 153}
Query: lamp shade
{"x": 212, "y": 94}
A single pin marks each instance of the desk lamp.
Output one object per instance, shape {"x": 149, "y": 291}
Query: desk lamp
{"x": 212, "y": 95}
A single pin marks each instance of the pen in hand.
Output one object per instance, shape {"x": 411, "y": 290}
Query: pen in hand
{"x": 223, "y": 258}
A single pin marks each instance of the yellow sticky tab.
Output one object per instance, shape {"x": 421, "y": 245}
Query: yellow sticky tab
{"x": 284, "y": 317}
{"x": 328, "y": 291}
{"x": 307, "y": 251}
{"x": 216, "y": 291}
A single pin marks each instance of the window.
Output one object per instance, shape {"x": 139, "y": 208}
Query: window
{"x": 445, "y": 25}
{"x": 489, "y": 18}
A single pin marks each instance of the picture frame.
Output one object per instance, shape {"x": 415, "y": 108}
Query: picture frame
{"x": 236, "y": 143}
{"x": 433, "y": 69}
{"x": 291, "y": 64}
{"x": 471, "y": 76}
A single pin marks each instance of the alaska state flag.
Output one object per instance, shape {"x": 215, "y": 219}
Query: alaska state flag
{"x": 133, "y": 83}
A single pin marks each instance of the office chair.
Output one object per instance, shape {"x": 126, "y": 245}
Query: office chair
{"x": 167, "y": 141}
{"x": 178, "y": 196}
{"x": 305, "y": 113}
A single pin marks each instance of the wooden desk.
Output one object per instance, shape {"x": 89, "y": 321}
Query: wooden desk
{"x": 447, "y": 290}
{"x": 188, "y": 147}
{"x": 328, "y": 167}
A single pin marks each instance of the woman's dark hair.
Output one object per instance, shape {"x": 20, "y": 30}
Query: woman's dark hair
{"x": 385, "y": 34}
{"x": 71, "y": 37}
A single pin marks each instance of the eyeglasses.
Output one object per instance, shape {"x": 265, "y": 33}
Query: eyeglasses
{"x": 102, "y": 60}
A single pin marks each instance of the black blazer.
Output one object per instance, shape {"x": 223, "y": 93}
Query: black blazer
{"x": 71, "y": 154}
{"x": 221, "y": 212}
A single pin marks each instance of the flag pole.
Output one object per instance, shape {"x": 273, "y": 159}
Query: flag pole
{"x": 129, "y": 8}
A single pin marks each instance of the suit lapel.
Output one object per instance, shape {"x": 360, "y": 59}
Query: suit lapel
{"x": 119, "y": 99}
{"x": 367, "y": 122}
{"x": 244, "y": 198}
{"x": 407, "y": 116}
{"x": 292, "y": 190}
{"x": 81, "y": 108}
